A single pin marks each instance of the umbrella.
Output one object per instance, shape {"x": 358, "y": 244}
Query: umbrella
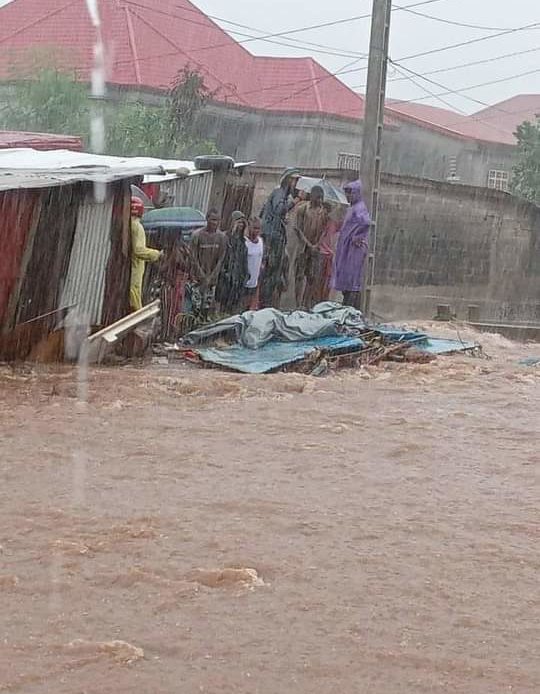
{"x": 331, "y": 192}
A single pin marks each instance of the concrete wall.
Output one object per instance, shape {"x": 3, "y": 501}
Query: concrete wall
{"x": 448, "y": 243}
{"x": 456, "y": 244}
{"x": 279, "y": 140}
{"x": 417, "y": 151}
{"x": 314, "y": 141}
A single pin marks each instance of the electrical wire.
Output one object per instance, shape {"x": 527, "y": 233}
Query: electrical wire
{"x": 451, "y": 22}
{"x": 401, "y": 69}
{"x": 457, "y": 92}
{"x": 473, "y": 63}
{"x": 475, "y": 86}
{"x": 301, "y": 44}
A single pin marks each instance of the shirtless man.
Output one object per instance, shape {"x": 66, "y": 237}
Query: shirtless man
{"x": 311, "y": 221}
{"x": 207, "y": 250}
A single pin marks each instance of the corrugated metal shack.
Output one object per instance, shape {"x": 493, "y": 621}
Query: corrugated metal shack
{"x": 61, "y": 249}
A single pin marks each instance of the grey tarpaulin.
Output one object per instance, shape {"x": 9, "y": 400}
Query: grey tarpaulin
{"x": 253, "y": 329}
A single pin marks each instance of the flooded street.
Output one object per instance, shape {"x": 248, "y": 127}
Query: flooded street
{"x": 391, "y": 517}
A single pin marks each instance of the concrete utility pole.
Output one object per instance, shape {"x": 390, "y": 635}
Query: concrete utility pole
{"x": 370, "y": 166}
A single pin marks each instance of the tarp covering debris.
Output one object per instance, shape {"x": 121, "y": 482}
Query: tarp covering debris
{"x": 253, "y": 329}
{"x": 275, "y": 355}
{"x": 269, "y": 339}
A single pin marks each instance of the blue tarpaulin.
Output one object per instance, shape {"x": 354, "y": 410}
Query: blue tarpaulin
{"x": 434, "y": 345}
{"x": 274, "y": 355}
{"x": 422, "y": 341}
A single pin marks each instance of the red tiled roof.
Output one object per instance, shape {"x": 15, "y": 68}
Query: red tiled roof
{"x": 149, "y": 42}
{"x": 10, "y": 139}
{"x": 497, "y": 123}
{"x": 512, "y": 112}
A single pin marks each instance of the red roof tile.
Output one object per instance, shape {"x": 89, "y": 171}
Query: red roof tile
{"x": 512, "y": 112}
{"x": 497, "y": 123}
{"x": 148, "y": 43}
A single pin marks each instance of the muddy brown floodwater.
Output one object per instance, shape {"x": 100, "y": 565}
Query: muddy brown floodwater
{"x": 194, "y": 531}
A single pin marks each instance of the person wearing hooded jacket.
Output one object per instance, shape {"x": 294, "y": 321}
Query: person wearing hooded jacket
{"x": 274, "y": 234}
{"x": 140, "y": 254}
{"x": 352, "y": 247}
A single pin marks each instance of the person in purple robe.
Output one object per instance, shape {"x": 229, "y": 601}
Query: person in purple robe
{"x": 352, "y": 247}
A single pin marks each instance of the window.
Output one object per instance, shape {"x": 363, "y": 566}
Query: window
{"x": 498, "y": 179}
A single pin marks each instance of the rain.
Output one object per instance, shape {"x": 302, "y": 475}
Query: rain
{"x": 269, "y": 346}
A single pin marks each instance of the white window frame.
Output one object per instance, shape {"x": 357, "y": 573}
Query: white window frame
{"x": 498, "y": 179}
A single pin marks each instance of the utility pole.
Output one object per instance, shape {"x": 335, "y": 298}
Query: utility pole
{"x": 370, "y": 165}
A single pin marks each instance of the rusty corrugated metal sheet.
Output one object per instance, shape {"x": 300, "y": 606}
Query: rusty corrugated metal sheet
{"x": 193, "y": 191}
{"x": 17, "y": 209}
{"x": 50, "y": 253}
{"x": 10, "y": 139}
{"x": 85, "y": 281}
{"x": 116, "y": 301}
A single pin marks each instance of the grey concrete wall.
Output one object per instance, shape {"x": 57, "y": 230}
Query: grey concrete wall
{"x": 312, "y": 141}
{"x": 417, "y": 151}
{"x": 449, "y": 243}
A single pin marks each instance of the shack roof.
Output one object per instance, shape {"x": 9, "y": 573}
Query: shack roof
{"x": 30, "y": 168}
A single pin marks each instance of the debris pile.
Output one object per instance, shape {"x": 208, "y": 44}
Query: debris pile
{"x": 328, "y": 337}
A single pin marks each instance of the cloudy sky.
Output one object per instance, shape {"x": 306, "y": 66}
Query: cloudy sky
{"x": 411, "y": 34}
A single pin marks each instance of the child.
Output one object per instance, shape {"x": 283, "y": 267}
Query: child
{"x": 255, "y": 252}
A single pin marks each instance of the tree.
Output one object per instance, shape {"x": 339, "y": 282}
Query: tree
{"x": 186, "y": 99}
{"x": 134, "y": 129}
{"x": 526, "y": 174}
{"x": 162, "y": 131}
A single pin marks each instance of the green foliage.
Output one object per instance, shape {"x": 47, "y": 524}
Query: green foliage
{"x": 50, "y": 102}
{"x": 526, "y": 174}
{"x": 134, "y": 129}
{"x": 53, "y": 101}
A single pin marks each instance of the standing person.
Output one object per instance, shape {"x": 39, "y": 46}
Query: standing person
{"x": 274, "y": 233}
{"x": 140, "y": 254}
{"x": 352, "y": 247}
{"x": 327, "y": 252}
{"x": 311, "y": 221}
{"x": 255, "y": 253}
{"x": 234, "y": 271}
{"x": 207, "y": 249}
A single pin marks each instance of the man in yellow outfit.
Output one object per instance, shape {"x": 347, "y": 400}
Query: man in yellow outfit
{"x": 140, "y": 254}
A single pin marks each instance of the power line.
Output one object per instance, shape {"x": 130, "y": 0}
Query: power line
{"x": 452, "y": 91}
{"x": 470, "y": 42}
{"x": 337, "y": 22}
{"x": 475, "y": 86}
{"x": 425, "y": 89}
{"x": 450, "y": 21}
{"x": 263, "y": 31}
{"x": 462, "y": 65}
{"x": 348, "y": 70}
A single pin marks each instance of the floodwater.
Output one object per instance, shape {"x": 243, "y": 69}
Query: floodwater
{"x": 390, "y": 518}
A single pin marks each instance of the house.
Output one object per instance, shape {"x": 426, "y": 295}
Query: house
{"x": 273, "y": 110}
